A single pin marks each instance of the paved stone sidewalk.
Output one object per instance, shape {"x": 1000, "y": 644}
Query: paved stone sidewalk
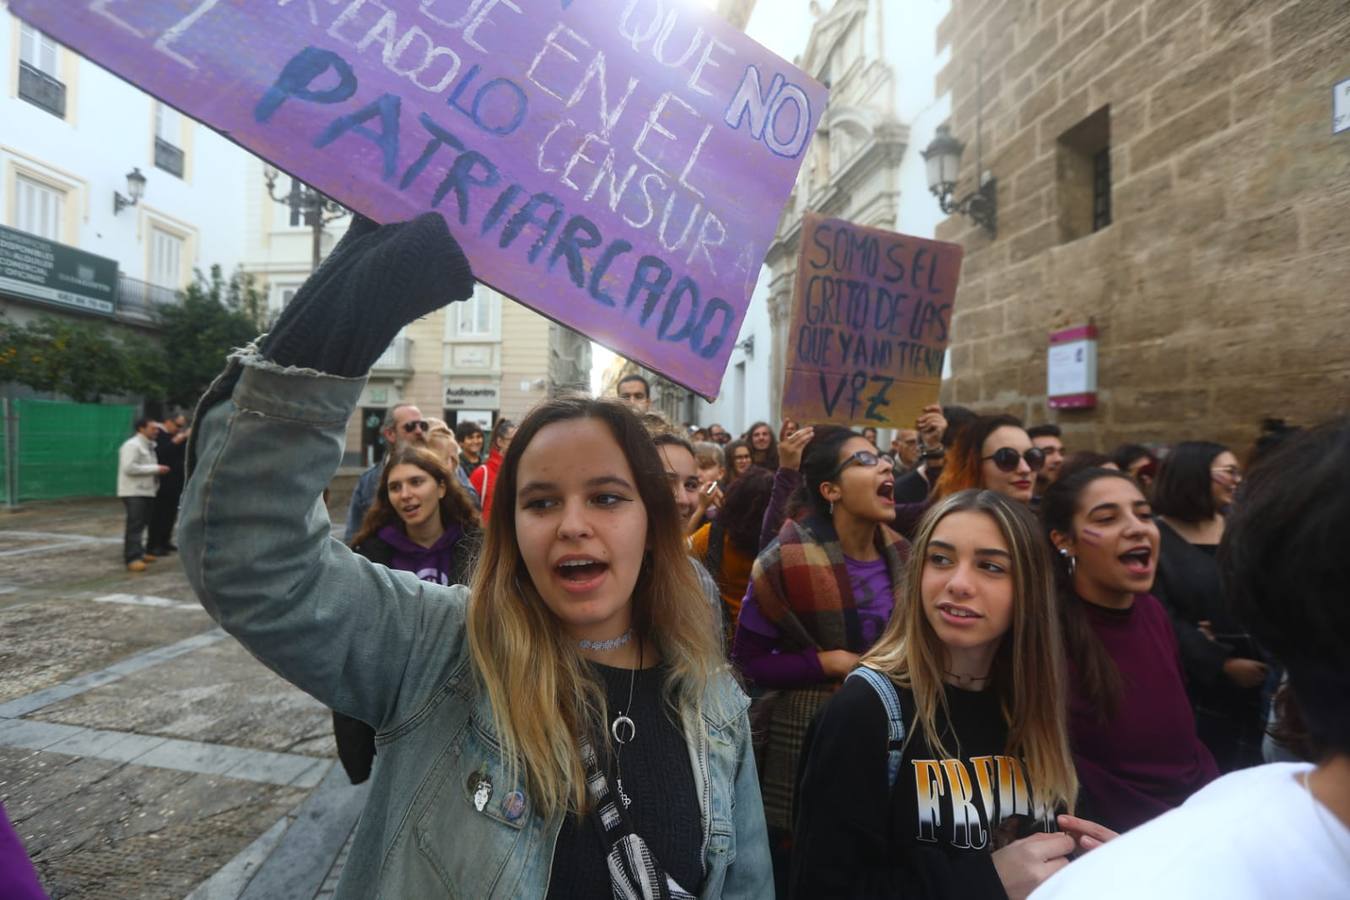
{"x": 144, "y": 753}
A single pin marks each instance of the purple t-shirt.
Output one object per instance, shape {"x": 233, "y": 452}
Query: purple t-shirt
{"x": 756, "y": 645}
{"x": 872, "y": 595}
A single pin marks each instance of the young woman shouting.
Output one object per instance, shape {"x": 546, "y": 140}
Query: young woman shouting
{"x": 964, "y": 803}
{"x": 819, "y": 595}
{"x": 563, "y": 729}
{"x": 1130, "y": 722}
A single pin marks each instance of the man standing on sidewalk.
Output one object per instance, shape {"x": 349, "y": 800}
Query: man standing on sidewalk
{"x": 170, "y": 448}
{"x": 138, "y": 474}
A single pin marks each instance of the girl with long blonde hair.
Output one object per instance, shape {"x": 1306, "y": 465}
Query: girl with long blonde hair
{"x": 964, "y": 803}
{"x": 565, "y": 728}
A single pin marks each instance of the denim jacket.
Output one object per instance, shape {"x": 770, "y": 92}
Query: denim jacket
{"x": 390, "y": 650}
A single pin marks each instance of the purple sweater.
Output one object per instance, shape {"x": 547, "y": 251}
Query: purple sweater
{"x": 1148, "y": 758}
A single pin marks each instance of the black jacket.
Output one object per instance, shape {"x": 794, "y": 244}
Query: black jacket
{"x": 356, "y": 739}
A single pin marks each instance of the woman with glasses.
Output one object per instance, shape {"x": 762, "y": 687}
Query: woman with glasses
{"x": 938, "y": 768}
{"x": 739, "y": 460}
{"x": 819, "y": 596}
{"x": 1130, "y": 721}
{"x": 1195, "y": 487}
{"x": 484, "y": 478}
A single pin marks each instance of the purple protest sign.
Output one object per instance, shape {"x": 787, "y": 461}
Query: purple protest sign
{"x": 618, "y": 167}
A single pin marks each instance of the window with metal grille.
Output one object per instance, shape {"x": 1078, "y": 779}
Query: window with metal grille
{"x": 39, "y": 208}
{"x": 1101, "y": 189}
{"x": 168, "y": 136}
{"x": 1083, "y": 182}
{"x": 39, "y": 71}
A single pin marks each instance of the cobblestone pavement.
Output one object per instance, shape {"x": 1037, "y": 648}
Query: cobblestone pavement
{"x": 144, "y": 753}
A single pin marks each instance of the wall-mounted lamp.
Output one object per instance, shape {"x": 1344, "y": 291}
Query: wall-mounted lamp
{"x": 943, "y": 158}
{"x": 135, "y": 190}
{"x": 748, "y": 345}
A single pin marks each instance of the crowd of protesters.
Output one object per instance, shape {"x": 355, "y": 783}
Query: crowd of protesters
{"x": 983, "y": 663}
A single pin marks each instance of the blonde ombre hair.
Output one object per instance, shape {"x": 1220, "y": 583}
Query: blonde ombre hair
{"x": 1028, "y": 670}
{"x": 545, "y": 700}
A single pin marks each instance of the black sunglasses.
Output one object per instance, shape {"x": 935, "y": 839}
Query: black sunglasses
{"x": 860, "y": 458}
{"x": 410, "y": 427}
{"x": 1006, "y": 458}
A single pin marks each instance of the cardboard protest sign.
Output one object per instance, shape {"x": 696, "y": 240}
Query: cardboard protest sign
{"x": 871, "y": 317}
{"x": 618, "y": 166}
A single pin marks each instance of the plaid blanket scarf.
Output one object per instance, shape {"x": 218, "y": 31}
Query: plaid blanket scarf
{"x": 802, "y": 586}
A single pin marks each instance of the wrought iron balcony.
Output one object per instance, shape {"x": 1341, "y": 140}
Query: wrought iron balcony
{"x": 137, "y": 300}
{"x": 42, "y": 90}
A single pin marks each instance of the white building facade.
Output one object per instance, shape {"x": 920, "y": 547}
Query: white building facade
{"x": 864, "y": 164}
{"x": 70, "y": 134}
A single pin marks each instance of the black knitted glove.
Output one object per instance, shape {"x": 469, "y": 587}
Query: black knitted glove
{"x": 376, "y": 280}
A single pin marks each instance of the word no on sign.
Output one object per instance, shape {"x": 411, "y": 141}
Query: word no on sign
{"x": 618, "y": 166}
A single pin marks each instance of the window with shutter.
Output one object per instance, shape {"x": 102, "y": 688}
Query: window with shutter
{"x": 39, "y": 208}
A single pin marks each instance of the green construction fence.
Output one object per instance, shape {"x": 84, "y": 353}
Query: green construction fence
{"x": 54, "y": 449}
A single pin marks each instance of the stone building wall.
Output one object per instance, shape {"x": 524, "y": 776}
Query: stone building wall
{"x": 1221, "y": 287}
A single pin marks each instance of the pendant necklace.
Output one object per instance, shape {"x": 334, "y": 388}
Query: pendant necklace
{"x": 624, "y": 731}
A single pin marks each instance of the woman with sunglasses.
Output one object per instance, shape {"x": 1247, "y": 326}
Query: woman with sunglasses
{"x": 819, "y": 596}
{"x": 421, "y": 522}
{"x": 484, "y": 478}
{"x": 564, "y": 728}
{"x": 1196, "y": 484}
{"x": 993, "y": 453}
{"x": 1130, "y": 721}
{"x": 937, "y": 770}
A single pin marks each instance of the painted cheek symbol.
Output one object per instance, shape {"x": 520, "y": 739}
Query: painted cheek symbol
{"x": 1092, "y": 536}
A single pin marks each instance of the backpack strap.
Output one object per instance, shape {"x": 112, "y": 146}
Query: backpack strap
{"x": 895, "y": 722}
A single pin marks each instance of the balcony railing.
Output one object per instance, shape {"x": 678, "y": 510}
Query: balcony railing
{"x": 168, "y": 157}
{"x": 138, "y": 299}
{"x": 396, "y": 359}
{"x": 42, "y": 90}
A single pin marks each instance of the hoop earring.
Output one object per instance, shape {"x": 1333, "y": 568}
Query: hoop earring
{"x": 831, "y": 507}
{"x": 1070, "y": 561}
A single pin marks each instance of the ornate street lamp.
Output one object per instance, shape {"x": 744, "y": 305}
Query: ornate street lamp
{"x": 316, "y": 209}
{"x": 943, "y": 161}
{"x": 135, "y": 191}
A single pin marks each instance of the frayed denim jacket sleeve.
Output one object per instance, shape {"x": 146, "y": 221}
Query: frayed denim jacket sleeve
{"x": 256, "y": 544}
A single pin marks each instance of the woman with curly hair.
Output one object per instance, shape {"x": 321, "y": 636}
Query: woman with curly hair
{"x": 421, "y": 522}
